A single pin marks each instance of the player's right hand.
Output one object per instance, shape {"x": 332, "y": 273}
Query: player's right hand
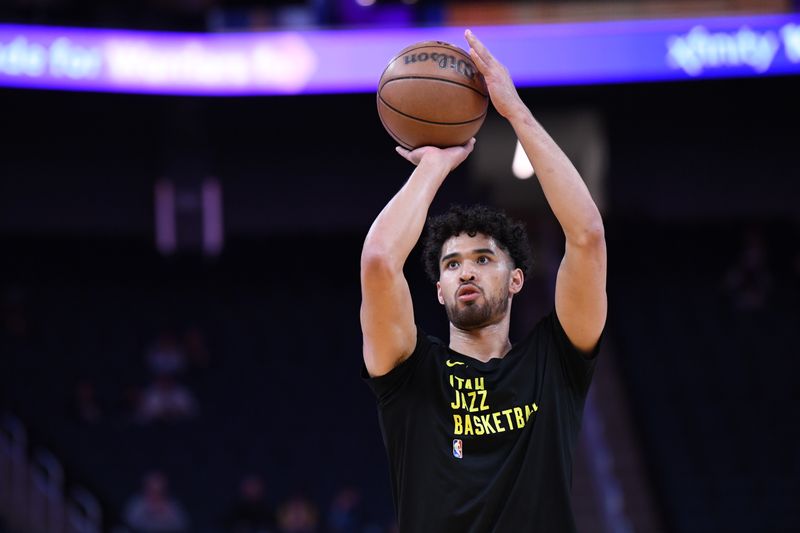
{"x": 502, "y": 91}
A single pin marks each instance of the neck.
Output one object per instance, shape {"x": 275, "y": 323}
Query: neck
{"x": 483, "y": 343}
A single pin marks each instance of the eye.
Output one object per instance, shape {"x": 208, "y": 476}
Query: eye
{"x": 482, "y": 260}
{"x": 452, "y": 264}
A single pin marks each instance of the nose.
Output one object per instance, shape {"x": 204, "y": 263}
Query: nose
{"x": 467, "y": 273}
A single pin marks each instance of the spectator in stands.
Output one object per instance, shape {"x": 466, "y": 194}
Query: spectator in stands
{"x": 344, "y": 514}
{"x": 749, "y": 280}
{"x": 166, "y": 357}
{"x": 87, "y": 409}
{"x": 298, "y": 515}
{"x": 166, "y": 400}
{"x": 14, "y": 314}
{"x": 127, "y": 404}
{"x": 154, "y": 509}
{"x": 251, "y": 513}
{"x": 196, "y": 349}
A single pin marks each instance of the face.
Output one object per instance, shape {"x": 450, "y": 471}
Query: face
{"x": 252, "y": 488}
{"x": 477, "y": 280}
{"x": 155, "y": 486}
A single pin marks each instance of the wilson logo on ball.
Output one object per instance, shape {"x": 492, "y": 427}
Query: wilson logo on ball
{"x": 444, "y": 61}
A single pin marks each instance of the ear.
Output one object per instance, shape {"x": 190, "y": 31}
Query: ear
{"x": 517, "y": 281}
{"x": 439, "y": 293}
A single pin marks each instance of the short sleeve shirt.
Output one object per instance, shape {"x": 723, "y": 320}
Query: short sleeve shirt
{"x": 484, "y": 446}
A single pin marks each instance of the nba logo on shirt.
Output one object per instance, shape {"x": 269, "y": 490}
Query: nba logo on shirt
{"x": 458, "y": 450}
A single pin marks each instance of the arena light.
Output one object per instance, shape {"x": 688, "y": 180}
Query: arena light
{"x": 521, "y": 166}
{"x": 334, "y": 61}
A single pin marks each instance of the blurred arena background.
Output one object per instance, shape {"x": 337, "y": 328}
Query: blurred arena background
{"x": 179, "y": 284}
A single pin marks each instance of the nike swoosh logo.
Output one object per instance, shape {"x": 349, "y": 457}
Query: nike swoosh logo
{"x": 453, "y": 363}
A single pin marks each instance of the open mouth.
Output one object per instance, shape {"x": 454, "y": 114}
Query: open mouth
{"x": 467, "y": 293}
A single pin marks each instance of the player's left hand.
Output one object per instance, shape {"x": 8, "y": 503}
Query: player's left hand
{"x": 502, "y": 91}
{"x": 450, "y": 157}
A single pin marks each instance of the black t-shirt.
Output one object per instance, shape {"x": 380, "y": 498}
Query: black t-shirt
{"x": 484, "y": 447}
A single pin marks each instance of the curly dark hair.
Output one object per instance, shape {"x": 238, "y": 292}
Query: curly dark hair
{"x": 509, "y": 234}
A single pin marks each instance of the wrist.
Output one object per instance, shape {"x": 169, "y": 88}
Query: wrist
{"x": 519, "y": 114}
{"x": 433, "y": 162}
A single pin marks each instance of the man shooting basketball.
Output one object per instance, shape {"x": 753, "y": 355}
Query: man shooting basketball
{"x": 480, "y": 433}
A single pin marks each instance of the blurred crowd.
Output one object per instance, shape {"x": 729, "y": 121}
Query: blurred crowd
{"x": 164, "y": 397}
{"x": 155, "y": 508}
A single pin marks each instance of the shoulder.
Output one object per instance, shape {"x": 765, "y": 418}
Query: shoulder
{"x": 541, "y": 331}
{"x": 406, "y": 372}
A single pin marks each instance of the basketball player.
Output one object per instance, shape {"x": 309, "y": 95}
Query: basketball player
{"x": 480, "y": 432}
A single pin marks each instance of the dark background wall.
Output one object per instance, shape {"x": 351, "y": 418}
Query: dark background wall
{"x": 87, "y": 163}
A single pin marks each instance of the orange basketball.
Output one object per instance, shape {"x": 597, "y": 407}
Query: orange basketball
{"x": 431, "y": 94}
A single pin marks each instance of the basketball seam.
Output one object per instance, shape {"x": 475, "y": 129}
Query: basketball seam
{"x": 443, "y": 80}
{"x": 397, "y": 138}
{"x": 384, "y": 102}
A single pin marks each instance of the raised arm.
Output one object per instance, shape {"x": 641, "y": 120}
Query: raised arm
{"x": 387, "y": 313}
{"x": 581, "y": 303}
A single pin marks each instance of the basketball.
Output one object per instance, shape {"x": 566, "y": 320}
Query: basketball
{"x": 431, "y": 94}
